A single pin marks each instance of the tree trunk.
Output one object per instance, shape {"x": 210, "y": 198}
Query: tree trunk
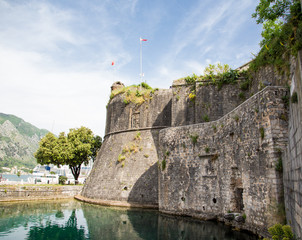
{"x": 75, "y": 172}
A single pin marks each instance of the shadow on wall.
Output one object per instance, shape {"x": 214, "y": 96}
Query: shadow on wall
{"x": 145, "y": 189}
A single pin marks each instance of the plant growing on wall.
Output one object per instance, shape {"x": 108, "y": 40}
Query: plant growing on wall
{"x": 192, "y": 96}
{"x": 278, "y": 165}
{"x": 244, "y": 86}
{"x": 194, "y": 139}
{"x": 136, "y": 94}
{"x": 294, "y": 98}
{"x": 205, "y": 118}
{"x": 261, "y": 130}
{"x": 138, "y": 136}
{"x": 207, "y": 149}
{"x": 191, "y": 79}
{"x": 241, "y": 96}
{"x": 163, "y": 164}
{"x": 121, "y": 158}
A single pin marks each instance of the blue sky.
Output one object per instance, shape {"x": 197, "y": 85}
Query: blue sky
{"x": 55, "y": 55}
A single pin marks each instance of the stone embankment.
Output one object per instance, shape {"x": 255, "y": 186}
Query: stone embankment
{"x": 36, "y": 192}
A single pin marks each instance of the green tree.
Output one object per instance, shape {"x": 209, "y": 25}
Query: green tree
{"x": 47, "y": 154}
{"x": 279, "y": 232}
{"x": 80, "y": 142}
{"x": 270, "y": 10}
{"x": 74, "y": 149}
{"x": 96, "y": 145}
{"x": 281, "y": 35}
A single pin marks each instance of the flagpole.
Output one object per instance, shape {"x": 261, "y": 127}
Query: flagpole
{"x": 141, "y": 59}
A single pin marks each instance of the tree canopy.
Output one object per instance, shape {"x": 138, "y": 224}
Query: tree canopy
{"x": 270, "y": 10}
{"x": 281, "y": 35}
{"x": 74, "y": 149}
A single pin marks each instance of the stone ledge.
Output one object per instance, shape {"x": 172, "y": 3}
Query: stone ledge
{"x": 136, "y": 129}
{"x": 36, "y": 198}
{"x": 115, "y": 203}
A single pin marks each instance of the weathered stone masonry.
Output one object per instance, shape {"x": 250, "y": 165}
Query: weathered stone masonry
{"x": 292, "y": 159}
{"x": 225, "y": 165}
{"x": 162, "y": 154}
{"x": 126, "y": 167}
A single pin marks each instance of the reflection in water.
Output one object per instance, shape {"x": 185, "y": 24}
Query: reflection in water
{"x": 75, "y": 220}
{"x": 56, "y": 231}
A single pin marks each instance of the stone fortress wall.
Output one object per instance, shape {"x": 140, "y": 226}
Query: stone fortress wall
{"x": 292, "y": 159}
{"x": 227, "y": 165}
{"x": 126, "y": 167}
{"x": 182, "y": 164}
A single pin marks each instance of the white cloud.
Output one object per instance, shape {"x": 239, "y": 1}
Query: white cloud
{"x": 56, "y": 57}
{"x": 41, "y": 88}
{"x": 71, "y": 99}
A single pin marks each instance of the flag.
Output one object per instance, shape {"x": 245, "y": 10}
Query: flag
{"x": 143, "y": 40}
{"x": 112, "y": 63}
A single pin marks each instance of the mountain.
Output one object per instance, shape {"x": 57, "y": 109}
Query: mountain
{"x": 19, "y": 140}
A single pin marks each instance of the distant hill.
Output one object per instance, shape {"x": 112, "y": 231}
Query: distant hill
{"x": 19, "y": 140}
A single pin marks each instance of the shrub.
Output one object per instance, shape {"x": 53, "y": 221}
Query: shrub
{"x": 145, "y": 85}
{"x": 278, "y": 165}
{"x": 285, "y": 100}
{"x": 138, "y": 94}
{"x": 163, "y": 164}
{"x": 206, "y": 118}
{"x": 245, "y": 85}
{"x": 281, "y": 232}
{"x": 241, "y": 96}
{"x": 207, "y": 149}
{"x": 62, "y": 180}
{"x": 121, "y": 158}
{"x": 191, "y": 79}
{"x": 138, "y": 136}
{"x": 192, "y": 97}
{"x": 294, "y": 98}
{"x": 194, "y": 139}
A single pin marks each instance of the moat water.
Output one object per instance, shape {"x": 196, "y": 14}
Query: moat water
{"x": 70, "y": 219}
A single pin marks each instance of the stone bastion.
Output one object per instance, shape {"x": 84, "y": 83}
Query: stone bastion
{"x": 204, "y": 157}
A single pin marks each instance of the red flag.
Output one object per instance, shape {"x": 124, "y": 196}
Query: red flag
{"x": 112, "y": 63}
{"x": 143, "y": 40}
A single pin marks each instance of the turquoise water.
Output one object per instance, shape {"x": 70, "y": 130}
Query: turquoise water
{"x": 71, "y": 219}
